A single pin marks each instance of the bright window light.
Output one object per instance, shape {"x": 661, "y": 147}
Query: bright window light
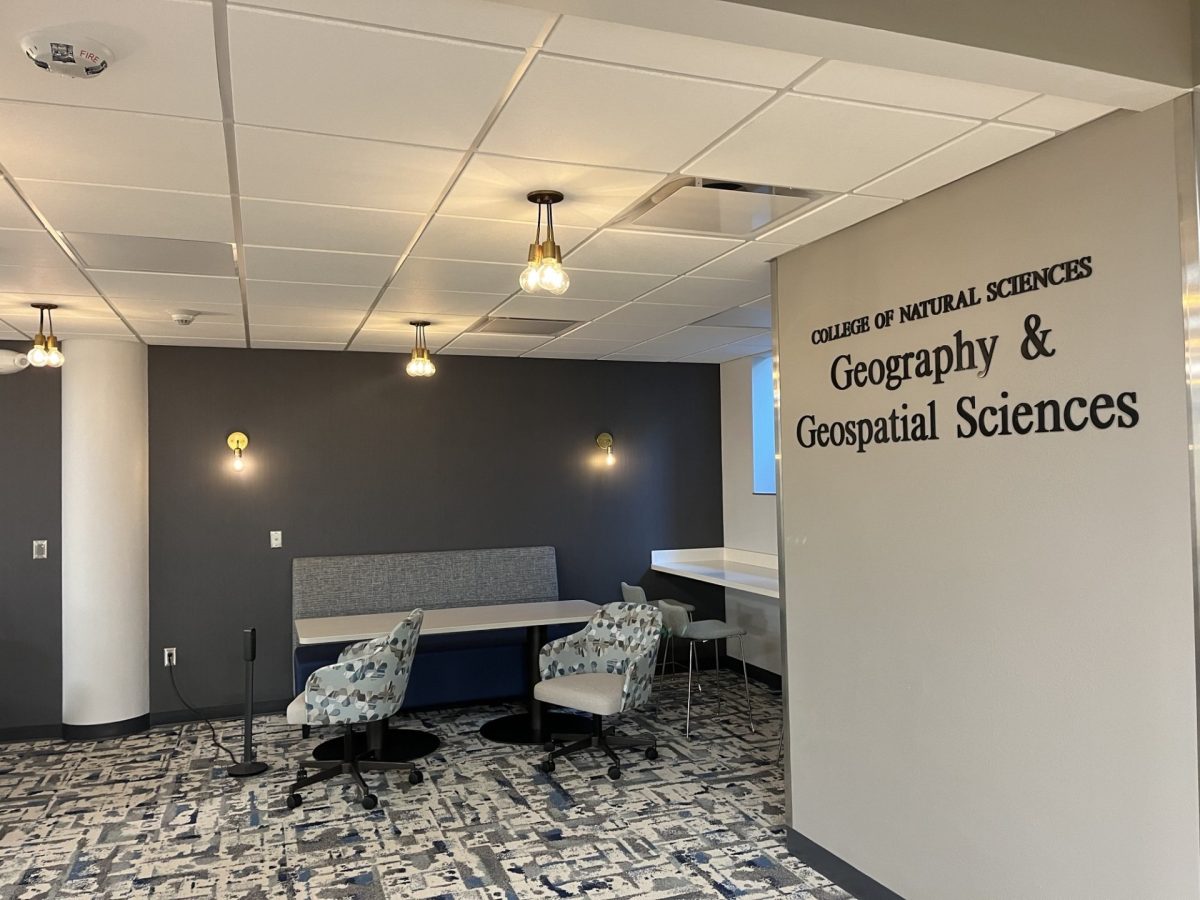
{"x": 762, "y": 412}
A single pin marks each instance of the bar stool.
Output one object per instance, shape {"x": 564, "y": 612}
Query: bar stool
{"x": 631, "y": 593}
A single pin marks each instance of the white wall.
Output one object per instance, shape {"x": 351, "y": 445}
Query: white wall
{"x": 750, "y": 519}
{"x": 993, "y": 693}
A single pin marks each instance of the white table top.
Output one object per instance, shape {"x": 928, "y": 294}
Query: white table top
{"x": 346, "y": 629}
{"x": 723, "y": 566}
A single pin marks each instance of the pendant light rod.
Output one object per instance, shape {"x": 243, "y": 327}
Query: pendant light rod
{"x": 544, "y": 270}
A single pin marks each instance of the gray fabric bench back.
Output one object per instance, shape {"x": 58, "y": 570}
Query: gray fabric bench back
{"x": 389, "y": 582}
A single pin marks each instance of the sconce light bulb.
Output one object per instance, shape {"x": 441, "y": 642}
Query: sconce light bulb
{"x": 238, "y": 463}
{"x": 612, "y": 460}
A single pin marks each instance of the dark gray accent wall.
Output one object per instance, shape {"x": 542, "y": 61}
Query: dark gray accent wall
{"x": 349, "y": 455}
{"x": 30, "y": 590}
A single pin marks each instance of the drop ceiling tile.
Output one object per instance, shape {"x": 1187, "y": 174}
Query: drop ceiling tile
{"x": 168, "y": 288}
{"x": 752, "y": 315}
{"x": 333, "y": 346}
{"x": 1059, "y": 113}
{"x": 340, "y": 171}
{"x": 875, "y": 84}
{"x": 479, "y": 351}
{"x": 615, "y": 250}
{"x": 495, "y": 187}
{"x": 572, "y": 344}
{"x": 359, "y": 81}
{"x": 643, "y": 313}
{"x": 694, "y": 338}
{"x": 749, "y": 262}
{"x": 133, "y": 211}
{"x": 306, "y": 317}
{"x": 671, "y": 52}
{"x": 487, "y": 240}
{"x": 161, "y": 312}
{"x": 173, "y": 341}
{"x": 624, "y": 332}
{"x": 130, "y": 253}
{"x": 11, "y": 334}
{"x": 518, "y": 342}
{"x": 547, "y": 351}
{"x": 67, "y": 326}
{"x": 530, "y": 306}
{"x": 204, "y": 328}
{"x": 724, "y": 354}
{"x": 317, "y": 266}
{"x": 454, "y": 275}
{"x": 275, "y": 223}
{"x": 297, "y": 295}
{"x": 589, "y": 284}
{"x": 449, "y": 303}
{"x": 973, "y": 151}
{"x": 478, "y": 20}
{"x": 16, "y": 308}
{"x": 44, "y": 280}
{"x": 839, "y": 213}
{"x": 13, "y": 213}
{"x": 31, "y": 248}
{"x": 717, "y": 293}
{"x": 176, "y": 76}
{"x": 388, "y": 340}
{"x": 121, "y": 148}
{"x": 399, "y": 324}
{"x": 611, "y": 116}
{"x": 303, "y": 333}
{"x": 856, "y": 143}
{"x": 640, "y": 357}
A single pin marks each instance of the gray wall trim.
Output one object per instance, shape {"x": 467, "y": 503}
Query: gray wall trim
{"x": 836, "y": 869}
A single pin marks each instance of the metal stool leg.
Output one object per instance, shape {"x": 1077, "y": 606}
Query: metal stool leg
{"x": 717, "y": 671}
{"x": 745, "y": 681}
{"x": 687, "y": 728}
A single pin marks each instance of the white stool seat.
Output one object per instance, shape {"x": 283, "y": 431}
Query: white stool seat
{"x": 598, "y": 693}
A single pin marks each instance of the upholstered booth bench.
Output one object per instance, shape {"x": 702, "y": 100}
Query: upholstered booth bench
{"x": 449, "y": 668}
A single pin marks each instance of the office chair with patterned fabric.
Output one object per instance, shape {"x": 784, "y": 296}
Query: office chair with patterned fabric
{"x": 605, "y": 669}
{"x": 364, "y": 687}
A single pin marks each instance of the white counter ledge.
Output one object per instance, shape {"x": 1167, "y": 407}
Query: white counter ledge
{"x": 754, "y": 573}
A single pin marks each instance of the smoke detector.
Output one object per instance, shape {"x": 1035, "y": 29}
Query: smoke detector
{"x": 67, "y": 54}
{"x": 183, "y": 318}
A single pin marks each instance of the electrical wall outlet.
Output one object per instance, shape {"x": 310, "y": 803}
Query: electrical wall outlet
{"x": 276, "y": 540}
{"x": 40, "y": 548}
{"x": 168, "y": 657}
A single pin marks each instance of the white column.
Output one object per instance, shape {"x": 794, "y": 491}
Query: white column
{"x": 105, "y": 538}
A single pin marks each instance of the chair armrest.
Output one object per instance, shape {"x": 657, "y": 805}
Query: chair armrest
{"x": 573, "y": 654}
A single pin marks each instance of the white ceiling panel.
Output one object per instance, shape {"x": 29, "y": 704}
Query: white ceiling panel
{"x": 453, "y": 350}
{"x": 14, "y": 213}
{"x": 623, "y": 332}
{"x": 640, "y": 357}
{"x": 317, "y": 266}
{"x": 839, "y": 213}
{"x": 478, "y": 20}
{"x": 398, "y": 341}
{"x": 618, "y": 43}
{"x": 68, "y": 325}
{"x": 717, "y": 293}
{"x": 16, "y": 308}
{"x": 749, "y": 262}
{"x": 11, "y": 334}
{"x": 519, "y": 342}
{"x": 205, "y": 327}
{"x": 447, "y": 303}
{"x": 168, "y": 288}
{"x": 589, "y": 284}
{"x": 544, "y": 353}
{"x": 317, "y": 168}
{"x": 399, "y": 324}
{"x": 309, "y": 226}
{"x": 306, "y": 317}
{"x": 132, "y": 253}
{"x": 565, "y": 308}
{"x": 752, "y": 315}
{"x": 296, "y": 295}
{"x": 228, "y": 343}
{"x": 136, "y": 211}
{"x": 320, "y": 75}
{"x": 694, "y": 338}
{"x": 121, "y": 148}
{"x": 642, "y": 313}
{"x": 611, "y": 116}
{"x": 160, "y": 310}
{"x": 1059, "y": 113}
{"x": 873, "y": 84}
{"x": 176, "y": 76}
{"x": 454, "y": 275}
{"x": 615, "y": 250}
{"x": 495, "y": 187}
{"x": 833, "y": 145}
{"x": 305, "y": 334}
{"x": 488, "y": 240}
{"x": 973, "y": 151}
{"x": 31, "y": 248}
{"x": 570, "y": 348}
{"x": 329, "y": 346}
{"x": 44, "y": 280}
{"x": 736, "y": 350}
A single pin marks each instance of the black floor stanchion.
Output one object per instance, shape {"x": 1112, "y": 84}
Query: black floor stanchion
{"x": 249, "y": 765}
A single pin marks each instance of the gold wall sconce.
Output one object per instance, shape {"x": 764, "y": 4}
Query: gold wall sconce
{"x": 237, "y": 442}
{"x": 604, "y": 441}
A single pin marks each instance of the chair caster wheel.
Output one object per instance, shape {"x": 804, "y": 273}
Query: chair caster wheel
{"x": 546, "y": 767}
{"x": 301, "y": 773}
{"x": 548, "y": 746}
{"x": 651, "y": 753}
{"x": 293, "y": 800}
{"x": 415, "y": 776}
{"x": 614, "y": 772}
{"x": 369, "y": 801}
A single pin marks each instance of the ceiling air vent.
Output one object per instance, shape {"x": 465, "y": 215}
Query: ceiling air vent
{"x": 727, "y": 208}
{"x": 539, "y": 327}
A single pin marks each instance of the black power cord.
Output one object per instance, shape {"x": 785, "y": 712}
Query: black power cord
{"x": 196, "y": 712}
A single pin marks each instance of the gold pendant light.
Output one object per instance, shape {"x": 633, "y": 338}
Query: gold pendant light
{"x": 420, "y": 365}
{"x": 544, "y": 271}
{"x": 45, "y": 350}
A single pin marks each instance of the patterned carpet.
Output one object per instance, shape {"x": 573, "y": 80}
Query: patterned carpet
{"x": 153, "y": 815}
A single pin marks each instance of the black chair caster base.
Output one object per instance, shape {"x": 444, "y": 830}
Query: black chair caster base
{"x": 651, "y": 753}
{"x": 294, "y": 800}
{"x": 369, "y": 801}
{"x": 415, "y": 776}
{"x": 546, "y": 767}
{"x": 614, "y": 772}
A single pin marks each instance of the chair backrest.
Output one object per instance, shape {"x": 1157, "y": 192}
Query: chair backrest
{"x": 402, "y": 642}
{"x": 675, "y": 617}
{"x": 631, "y": 593}
{"x": 632, "y": 631}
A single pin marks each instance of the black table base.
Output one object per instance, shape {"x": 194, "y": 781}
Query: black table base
{"x": 399, "y": 745}
{"x": 519, "y": 729}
